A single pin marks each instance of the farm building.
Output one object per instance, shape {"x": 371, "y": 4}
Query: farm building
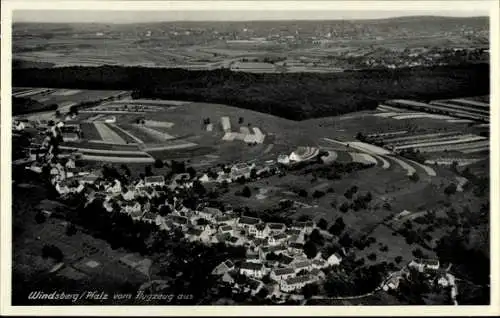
{"x": 252, "y": 269}
{"x": 303, "y": 154}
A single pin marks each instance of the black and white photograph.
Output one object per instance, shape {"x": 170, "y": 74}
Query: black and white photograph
{"x": 255, "y": 154}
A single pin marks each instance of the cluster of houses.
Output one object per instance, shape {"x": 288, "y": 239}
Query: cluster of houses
{"x": 436, "y": 276}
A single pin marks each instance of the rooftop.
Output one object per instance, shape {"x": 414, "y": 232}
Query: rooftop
{"x": 276, "y": 226}
{"x": 154, "y": 179}
{"x": 248, "y": 220}
{"x": 283, "y": 271}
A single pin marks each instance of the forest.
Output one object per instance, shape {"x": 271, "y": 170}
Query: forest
{"x": 295, "y": 96}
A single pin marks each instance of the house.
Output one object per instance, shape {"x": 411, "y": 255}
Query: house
{"x": 279, "y": 274}
{"x": 209, "y": 213}
{"x": 226, "y": 123}
{"x": 179, "y": 220}
{"x": 70, "y": 164}
{"x": 392, "y": 283}
{"x": 277, "y": 239}
{"x": 252, "y": 269}
{"x": 255, "y": 258}
{"x": 295, "y": 283}
{"x": 226, "y": 219}
{"x": 249, "y": 223}
{"x": 18, "y": 125}
{"x": 424, "y": 264}
{"x": 276, "y": 228}
{"x": 227, "y": 278}
{"x": 302, "y": 265}
{"x": 306, "y": 227}
{"x": 116, "y": 188}
{"x": 255, "y": 286}
{"x": 295, "y": 247}
{"x": 132, "y": 207}
{"x": 154, "y": 181}
{"x": 283, "y": 159}
{"x": 129, "y": 195}
{"x": 226, "y": 229}
{"x": 317, "y": 274}
{"x": 193, "y": 234}
{"x": 277, "y": 249}
{"x": 261, "y": 231}
{"x": 285, "y": 259}
{"x": 334, "y": 259}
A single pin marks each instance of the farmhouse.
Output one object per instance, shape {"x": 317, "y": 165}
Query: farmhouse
{"x": 225, "y": 219}
{"x": 277, "y": 239}
{"x": 255, "y": 286}
{"x": 226, "y": 229}
{"x": 252, "y": 269}
{"x": 154, "y": 181}
{"x": 302, "y": 265}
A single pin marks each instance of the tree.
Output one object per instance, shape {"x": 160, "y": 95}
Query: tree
{"x": 303, "y": 193}
{"x": 158, "y": 163}
{"x": 322, "y": 224}
{"x": 246, "y": 192}
{"x": 372, "y": 257}
{"x": 316, "y": 237}
{"x": 58, "y": 113}
{"x": 165, "y": 210}
{"x": 338, "y": 227}
{"x": 310, "y": 249}
{"x": 192, "y": 172}
{"x": 310, "y": 290}
{"x": 240, "y": 120}
{"x": 344, "y": 207}
{"x": 148, "y": 171}
{"x": 202, "y": 221}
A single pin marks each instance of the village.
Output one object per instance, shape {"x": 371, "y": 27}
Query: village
{"x": 275, "y": 256}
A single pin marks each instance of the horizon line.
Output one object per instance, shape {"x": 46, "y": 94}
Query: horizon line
{"x": 256, "y": 20}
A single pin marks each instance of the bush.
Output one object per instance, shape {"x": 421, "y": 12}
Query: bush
{"x": 372, "y": 257}
{"x": 450, "y": 189}
{"x": 414, "y": 177}
{"x": 398, "y": 259}
{"x": 246, "y": 192}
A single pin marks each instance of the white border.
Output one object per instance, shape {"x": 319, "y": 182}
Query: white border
{"x": 5, "y": 145}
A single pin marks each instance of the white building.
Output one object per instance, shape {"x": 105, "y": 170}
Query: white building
{"x": 252, "y": 269}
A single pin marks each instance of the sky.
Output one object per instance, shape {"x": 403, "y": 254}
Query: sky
{"x": 277, "y": 12}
